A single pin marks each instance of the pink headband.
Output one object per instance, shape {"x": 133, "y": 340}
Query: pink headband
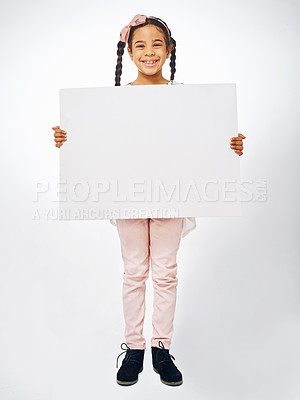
{"x": 137, "y": 20}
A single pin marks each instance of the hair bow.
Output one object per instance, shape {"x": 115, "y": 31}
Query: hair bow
{"x": 137, "y": 20}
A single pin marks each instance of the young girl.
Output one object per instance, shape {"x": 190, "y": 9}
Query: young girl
{"x": 149, "y": 44}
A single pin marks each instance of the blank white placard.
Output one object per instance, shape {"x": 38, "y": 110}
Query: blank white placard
{"x": 149, "y": 151}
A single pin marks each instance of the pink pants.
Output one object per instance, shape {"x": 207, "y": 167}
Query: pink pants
{"x": 142, "y": 240}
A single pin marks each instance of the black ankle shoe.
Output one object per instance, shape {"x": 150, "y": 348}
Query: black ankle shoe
{"x": 164, "y": 366}
{"x": 131, "y": 366}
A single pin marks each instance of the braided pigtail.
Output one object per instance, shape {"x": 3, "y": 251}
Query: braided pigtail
{"x": 120, "y": 52}
{"x": 173, "y": 59}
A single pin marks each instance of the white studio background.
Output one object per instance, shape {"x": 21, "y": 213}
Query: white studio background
{"x": 237, "y": 321}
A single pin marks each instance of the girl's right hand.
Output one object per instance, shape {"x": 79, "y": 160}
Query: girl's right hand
{"x": 59, "y": 136}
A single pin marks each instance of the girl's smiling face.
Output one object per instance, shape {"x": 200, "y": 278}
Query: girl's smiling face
{"x": 148, "y": 44}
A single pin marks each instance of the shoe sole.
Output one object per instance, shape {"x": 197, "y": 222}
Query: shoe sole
{"x": 177, "y": 383}
{"x": 128, "y": 383}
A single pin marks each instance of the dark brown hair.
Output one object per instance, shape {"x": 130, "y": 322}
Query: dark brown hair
{"x": 168, "y": 39}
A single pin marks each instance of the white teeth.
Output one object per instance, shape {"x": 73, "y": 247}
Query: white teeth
{"x": 149, "y": 62}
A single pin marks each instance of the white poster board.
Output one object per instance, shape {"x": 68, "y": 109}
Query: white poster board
{"x": 149, "y": 151}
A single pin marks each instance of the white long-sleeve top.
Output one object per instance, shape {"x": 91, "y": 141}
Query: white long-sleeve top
{"x": 189, "y": 223}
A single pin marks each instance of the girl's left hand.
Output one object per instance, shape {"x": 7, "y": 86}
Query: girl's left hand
{"x": 236, "y": 143}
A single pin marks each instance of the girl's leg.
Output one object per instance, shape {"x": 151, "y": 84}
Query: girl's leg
{"x": 165, "y": 236}
{"x": 134, "y": 238}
